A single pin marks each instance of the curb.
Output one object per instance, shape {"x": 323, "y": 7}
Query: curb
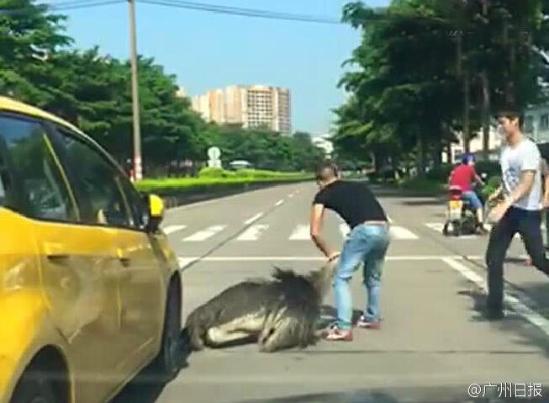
{"x": 190, "y": 196}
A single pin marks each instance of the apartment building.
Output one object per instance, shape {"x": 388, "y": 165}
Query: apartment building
{"x": 254, "y": 106}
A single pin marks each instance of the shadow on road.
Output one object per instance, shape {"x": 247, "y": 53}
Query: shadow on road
{"x": 442, "y": 394}
{"x": 526, "y": 334}
{"x": 146, "y": 387}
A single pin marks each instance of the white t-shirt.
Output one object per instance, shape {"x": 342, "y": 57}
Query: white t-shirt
{"x": 523, "y": 156}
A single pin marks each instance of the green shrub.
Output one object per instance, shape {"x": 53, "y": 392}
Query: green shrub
{"x": 491, "y": 168}
{"x": 215, "y": 173}
{"x": 440, "y": 173}
{"x": 422, "y": 185}
{"x": 491, "y": 185}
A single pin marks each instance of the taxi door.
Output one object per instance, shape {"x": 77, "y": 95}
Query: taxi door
{"x": 77, "y": 263}
{"x": 140, "y": 287}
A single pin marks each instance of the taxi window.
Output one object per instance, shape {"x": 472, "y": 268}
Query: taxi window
{"x": 40, "y": 180}
{"x": 4, "y": 180}
{"x": 97, "y": 183}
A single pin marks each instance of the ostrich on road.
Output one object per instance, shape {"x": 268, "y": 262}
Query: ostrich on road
{"x": 278, "y": 313}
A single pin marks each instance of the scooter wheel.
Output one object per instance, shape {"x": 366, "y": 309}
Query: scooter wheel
{"x": 456, "y": 231}
{"x": 445, "y": 230}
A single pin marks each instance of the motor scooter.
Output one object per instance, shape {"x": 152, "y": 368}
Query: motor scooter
{"x": 461, "y": 217}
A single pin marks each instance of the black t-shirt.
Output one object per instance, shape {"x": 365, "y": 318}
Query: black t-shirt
{"x": 353, "y": 201}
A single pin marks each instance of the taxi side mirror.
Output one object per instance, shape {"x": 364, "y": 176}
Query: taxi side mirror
{"x": 155, "y": 211}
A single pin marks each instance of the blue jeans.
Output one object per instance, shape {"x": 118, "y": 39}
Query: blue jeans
{"x": 366, "y": 244}
{"x": 473, "y": 199}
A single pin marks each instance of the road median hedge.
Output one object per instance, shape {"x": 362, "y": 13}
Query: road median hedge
{"x": 214, "y": 182}
{"x": 176, "y": 185}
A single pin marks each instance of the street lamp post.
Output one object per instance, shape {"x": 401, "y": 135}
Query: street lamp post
{"x": 137, "y": 166}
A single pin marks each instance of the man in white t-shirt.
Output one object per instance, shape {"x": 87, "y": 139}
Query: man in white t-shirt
{"x": 520, "y": 211}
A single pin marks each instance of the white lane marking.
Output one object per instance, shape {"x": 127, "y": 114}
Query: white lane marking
{"x": 290, "y": 196}
{"x": 398, "y": 232}
{"x": 254, "y": 218}
{"x": 219, "y": 199}
{"x": 253, "y": 233}
{"x": 316, "y": 258}
{"x": 301, "y": 233}
{"x": 389, "y": 219}
{"x": 185, "y": 261}
{"x": 473, "y": 257}
{"x": 170, "y": 229}
{"x": 278, "y": 203}
{"x": 437, "y": 226}
{"x": 530, "y": 315}
{"x": 205, "y": 234}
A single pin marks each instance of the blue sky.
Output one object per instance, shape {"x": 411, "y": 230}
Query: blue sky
{"x": 206, "y": 50}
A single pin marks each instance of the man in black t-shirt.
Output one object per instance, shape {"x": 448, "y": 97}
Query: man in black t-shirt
{"x": 367, "y": 243}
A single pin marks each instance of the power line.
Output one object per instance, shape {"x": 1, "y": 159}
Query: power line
{"x": 92, "y": 4}
{"x": 213, "y": 8}
{"x": 244, "y": 12}
{"x": 62, "y": 6}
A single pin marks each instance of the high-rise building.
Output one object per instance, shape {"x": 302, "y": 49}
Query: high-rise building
{"x": 254, "y": 106}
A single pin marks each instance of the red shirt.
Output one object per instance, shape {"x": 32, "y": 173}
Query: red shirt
{"x": 463, "y": 176}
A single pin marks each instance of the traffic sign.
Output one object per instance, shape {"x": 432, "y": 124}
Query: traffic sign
{"x": 214, "y": 163}
{"x": 214, "y": 153}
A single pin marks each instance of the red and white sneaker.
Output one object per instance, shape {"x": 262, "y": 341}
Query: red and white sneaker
{"x": 336, "y": 334}
{"x": 363, "y": 323}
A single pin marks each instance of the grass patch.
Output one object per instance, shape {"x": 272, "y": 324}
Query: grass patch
{"x": 422, "y": 185}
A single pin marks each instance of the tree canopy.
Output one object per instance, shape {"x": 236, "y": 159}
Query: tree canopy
{"x": 426, "y": 70}
{"x": 39, "y": 65}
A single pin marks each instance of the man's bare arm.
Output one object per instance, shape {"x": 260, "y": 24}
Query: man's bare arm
{"x": 317, "y": 215}
{"x": 523, "y": 188}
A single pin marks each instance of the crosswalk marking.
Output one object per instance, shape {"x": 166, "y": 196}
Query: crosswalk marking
{"x": 438, "y": 226}
{"x": 398, "y": 232}
{"x": 205, "y": 234}
{"x": 300, "y": 233}
{"x": 253, "y": 233}
{"x": 170, "y": 229}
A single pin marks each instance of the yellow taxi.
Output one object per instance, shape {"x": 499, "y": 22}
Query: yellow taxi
{"x": 90, "y": 290}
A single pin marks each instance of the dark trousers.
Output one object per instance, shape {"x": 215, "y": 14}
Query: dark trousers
{"x": 528, "y": 225}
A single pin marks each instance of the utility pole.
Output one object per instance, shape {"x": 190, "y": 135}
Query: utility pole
{"x": 463, "y": 72}
{"x": 485, "y": 97}
{"x": 137, "y": 166}
{"x": 466, "y": 111}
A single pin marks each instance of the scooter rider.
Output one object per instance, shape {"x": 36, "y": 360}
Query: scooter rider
{"x": 463, "y": 176}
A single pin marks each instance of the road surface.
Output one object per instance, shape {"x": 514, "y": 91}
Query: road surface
{"x": 433, "y": 344}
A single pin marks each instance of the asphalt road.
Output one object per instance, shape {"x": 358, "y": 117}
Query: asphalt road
{"x": 433, "y": 344}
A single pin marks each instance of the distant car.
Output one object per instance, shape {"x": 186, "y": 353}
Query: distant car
{"x": 240, "y": 164}
{"x": 90, "y": 291}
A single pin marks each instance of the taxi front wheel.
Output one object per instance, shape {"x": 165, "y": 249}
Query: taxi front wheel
{"x": 34, "y": 387}
{"x": 168, "y": 361}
